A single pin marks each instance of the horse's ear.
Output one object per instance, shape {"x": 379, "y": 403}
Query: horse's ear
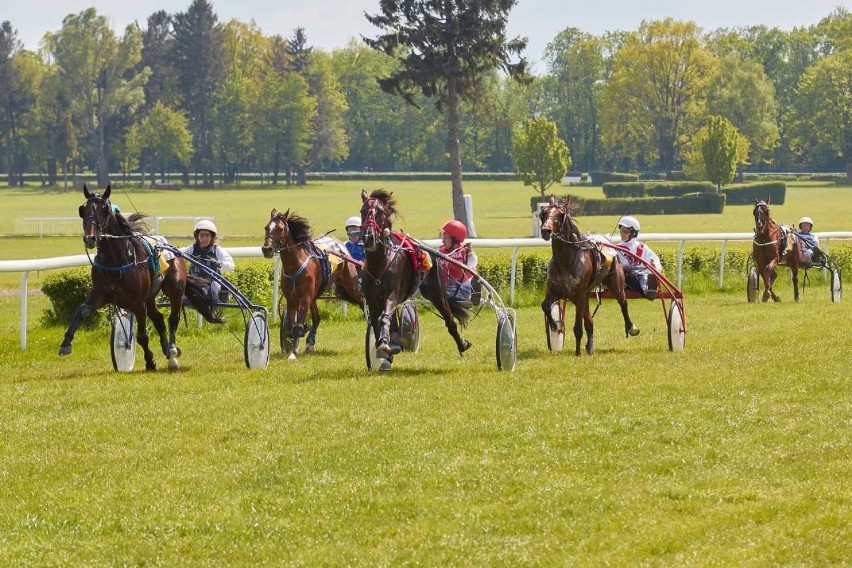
{"x": 107, "y": 191}
{"x": 86, "y": 192}
{"x": 364, "y": 195}
{"x": 756, "y": 201}
{"x": 552, "y": 200}
{"x": 273, "y": 213}
{"x": 767, "y": 200}
{"x": 286, "y": 213}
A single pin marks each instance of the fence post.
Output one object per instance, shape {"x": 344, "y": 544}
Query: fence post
{"x": 512, "y": 276}
{"x": 722, "y": 265}
{"x": 680, "y": 262}
{"x": 24, "y": 277}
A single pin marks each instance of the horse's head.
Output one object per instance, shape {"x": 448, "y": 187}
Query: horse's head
{"x": 377, "y": 214}
{"x": 761, "y": 215}
{"x": 555, "y": 217}
{"x": 98, "y": 216}
{"x": 275, "y": 233}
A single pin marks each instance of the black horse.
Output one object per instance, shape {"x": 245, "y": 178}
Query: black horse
{"x": 394, "y": 269}
{"x": 128, "y": 272}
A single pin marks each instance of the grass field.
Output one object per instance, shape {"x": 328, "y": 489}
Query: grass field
{"x": 734, "y": 452}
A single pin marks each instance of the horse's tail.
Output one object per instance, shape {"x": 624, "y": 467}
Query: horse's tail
{"x": 461, "y": 310}
{"x": 198, "y": 292}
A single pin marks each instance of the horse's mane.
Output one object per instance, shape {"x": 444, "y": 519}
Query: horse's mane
{"x": 386, "y": 197}
{"x": 134, "y": 223}
{"x": 300, "y": 228}
{"x": 569, "y": 209}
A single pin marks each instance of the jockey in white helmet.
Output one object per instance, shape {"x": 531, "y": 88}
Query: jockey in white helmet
{"x": 637, "y": 276}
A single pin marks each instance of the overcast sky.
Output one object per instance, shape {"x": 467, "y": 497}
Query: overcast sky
{"x": 331, "y": 23}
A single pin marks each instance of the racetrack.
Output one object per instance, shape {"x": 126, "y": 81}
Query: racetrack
{"x": 732, "y": 452}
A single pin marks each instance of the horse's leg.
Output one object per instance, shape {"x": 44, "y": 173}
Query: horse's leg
{"x": 92, "y": 303}
{"x": 615, "y": 283}
{"x": 297, "y": 318}
{"x": 549, "y": 299}
{"x": 794, "y": 271}
{"x": 589, "y": 325}
{"x": 142, "y": 337}
{"x": 312, "y": 333}
{"x": 433, "y": 291}
{"x": 578, "y": 325}
{"x": 168, "y": 348}
{"x": 767, "y": 283}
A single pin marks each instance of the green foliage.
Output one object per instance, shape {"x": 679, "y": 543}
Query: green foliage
{"x": 721, "y": 150}
{"x": 66, "y": 290}
{"x": 254, "y": 280}
{"x": 746, "y": 193}
{"x": 692, "y": 203}
{"x": 624, "y": 189}
{"x": 541, "y": 157}
{"x": 165, "y": 132}
{"x": 600, "y": 178}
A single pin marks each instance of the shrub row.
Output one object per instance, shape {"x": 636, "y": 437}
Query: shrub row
{"x": 409, "y": 176}
{"x": 600, "y": 178}
{"x": 746, "y": 193}
{"x": 695, "y": 203}
{"x": 655, "y": 189}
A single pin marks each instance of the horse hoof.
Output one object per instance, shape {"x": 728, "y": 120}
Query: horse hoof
{"x": 385, "y": 365}
{"x": 65, "y": 350}
{"x": 465, "y": 346}
{"x": 776, "y": 299}
{"x": 292, "y": 357}
{"x": 309, "y": 348}
{"x": 633, "y": 331}
{"x": 173, "y": 365}
{"x": 150, "y": 366}
{"x": 384, "y": 351}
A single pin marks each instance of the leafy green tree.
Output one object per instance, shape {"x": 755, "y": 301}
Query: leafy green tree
{"x": 329, "y": 145}
{"x": 717, "y": 150}
{"x": 17, "y": 99}
{"x": 541, "y": 157}
{"x": 741, "y": 92}
{"x": 823, "y": 111}
{"x": 576, "y": 64}
{"x": 443, "y": 47}
{"x": 157, "y": 54}
{"x": 198, "y": 60}
{"x": 655, "y": 98}
{"x": 98, "y": 70}
{"x": 165, "y": 132}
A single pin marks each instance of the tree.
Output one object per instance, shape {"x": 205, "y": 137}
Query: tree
{"x": 329, "y": 144}
{"x": 655, "y": 98}
{"x": 97, "y": 68}
{"x": 718, "y": 149}
{"x": 823, "y": 110}
{"x": 165, "y": 132}
{"x": 197, "y": 57}
{"x": 541, "y": 157}
{"x": 16, "y": 100}
{"x": 443, "y": 47}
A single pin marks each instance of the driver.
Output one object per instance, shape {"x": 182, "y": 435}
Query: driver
{"x": 636, "y": 275}
{"x": 809, "y": 242}
{"x": 457, "y": 281}
{"x": 212, "y": 255}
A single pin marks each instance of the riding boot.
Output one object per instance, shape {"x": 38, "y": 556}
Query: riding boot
{"x": 651, "y": 290}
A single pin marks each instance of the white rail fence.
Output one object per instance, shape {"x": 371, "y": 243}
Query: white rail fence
{"x": 27, "y": 266}
{"x": 169, "y": 225}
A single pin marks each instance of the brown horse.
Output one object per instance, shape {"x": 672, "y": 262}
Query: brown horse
{"x": 768, "y": 250}
{"x": 576, "y": 267}
{"x": 123, "y": 275}
{"x": 305, "y": 274}
{"x": 391, "y": 277}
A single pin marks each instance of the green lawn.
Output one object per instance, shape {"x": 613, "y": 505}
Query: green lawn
{"x": 734, "y": 452}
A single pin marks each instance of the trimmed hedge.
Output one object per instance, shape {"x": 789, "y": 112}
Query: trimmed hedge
{"x": 695, "y": 203}
{"x": 407, "y": 176}
{"x": 746, "y": 193}
{"x": 634, "y": 189}
{"x": 656, "y": 189}
{"x": 600, "y": 178}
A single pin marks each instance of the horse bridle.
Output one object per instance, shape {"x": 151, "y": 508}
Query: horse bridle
{"x": 557, "y": 234}
{"x": 94, "y": 217}
{"x": 760, "y": 225}
{"x": 374, "y": 204}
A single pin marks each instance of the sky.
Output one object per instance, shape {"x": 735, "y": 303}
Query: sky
{"x": 330, "y": 24}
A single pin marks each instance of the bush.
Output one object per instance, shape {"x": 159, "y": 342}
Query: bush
{"x": 254, "y": 280}
{"x": 600, "y": 178}
{"x": 746, "y": 193}
{"x": 623, "y": 189}
{"x": 696, "y": 203}
{"x": 66, "y": 290}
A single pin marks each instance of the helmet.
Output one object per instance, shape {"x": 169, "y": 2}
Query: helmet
{"x": 353, "y": 222}
{"x": 806, "y": 220}
{"x": 629, "y": 222}
{"x": 205, "y": 225}
{"x": 455, "y": 229}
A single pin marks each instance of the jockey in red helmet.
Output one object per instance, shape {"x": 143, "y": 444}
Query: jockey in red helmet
{"x": 457, "y": 281}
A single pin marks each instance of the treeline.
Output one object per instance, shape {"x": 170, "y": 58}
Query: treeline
{"x": 187, "y": 93}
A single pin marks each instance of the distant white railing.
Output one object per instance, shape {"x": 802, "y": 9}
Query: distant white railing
{"x": 57, "y": 226}
{"x": 27, "y": 266}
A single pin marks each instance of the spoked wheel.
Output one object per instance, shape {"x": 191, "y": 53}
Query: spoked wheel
{"x": 507, "y": 341}
{"x": 556, "y": 339}
{"x": 836, "y": 285}
{"x": 256, "y": 344}
{"x": 753, "y": 283}
{"x": 123, "y": 341}
{"x": 677, "y": 331}
{"x": 409, "y": 327}
{"x": 284, "y": 335}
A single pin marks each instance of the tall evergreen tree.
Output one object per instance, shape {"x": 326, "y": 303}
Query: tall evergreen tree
{"x": 443, "y": 47}
{"x": 198, "y": 60}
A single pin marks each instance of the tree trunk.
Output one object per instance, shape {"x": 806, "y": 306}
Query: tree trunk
{"x": 455, "y": 151}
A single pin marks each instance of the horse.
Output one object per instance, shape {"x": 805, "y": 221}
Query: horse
{"x": 768, "y": 250}
{"x": 306, "y": 273}
{"x": 124, "y": 275}
{"x": 576, "y": 267}
{"x": 394, "y": 269}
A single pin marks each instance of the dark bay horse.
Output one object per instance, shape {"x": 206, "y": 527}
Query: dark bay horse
{"x": 306, "y": 272}
{"x": 123, "y": 275}
{"x": 576, "y": 267}
{"x": 768, "y": 250}
{"x": 393, "y": 272}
